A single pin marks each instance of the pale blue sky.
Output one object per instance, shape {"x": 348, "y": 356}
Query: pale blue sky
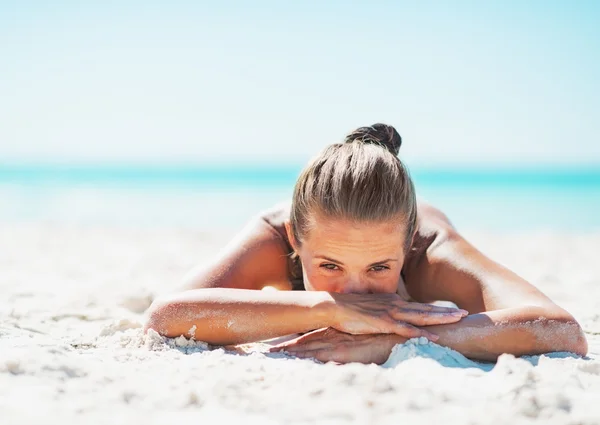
{"x": 198, "y": 81}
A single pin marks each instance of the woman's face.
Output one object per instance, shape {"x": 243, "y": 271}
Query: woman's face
{"x": 342, "y": 256}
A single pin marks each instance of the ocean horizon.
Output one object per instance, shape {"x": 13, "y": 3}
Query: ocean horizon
{"x": 271, "y": 174}
{"x": 211, "y": 196}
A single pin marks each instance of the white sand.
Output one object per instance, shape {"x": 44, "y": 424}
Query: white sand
{"x": 71, "y": 348}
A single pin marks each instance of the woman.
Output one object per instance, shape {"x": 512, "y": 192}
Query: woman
{"x": 356, "y": 261}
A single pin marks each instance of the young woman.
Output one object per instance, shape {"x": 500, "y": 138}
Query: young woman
{"x": 356, "y": 260}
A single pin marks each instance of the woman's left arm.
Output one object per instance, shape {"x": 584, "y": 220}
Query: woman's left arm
{"x": 507, "y": 313}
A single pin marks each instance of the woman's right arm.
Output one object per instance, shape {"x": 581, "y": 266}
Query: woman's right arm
{"x": 223, "y": 316}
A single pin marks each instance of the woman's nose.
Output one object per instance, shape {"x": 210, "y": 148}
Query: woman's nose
{"x": 354, "y": 286}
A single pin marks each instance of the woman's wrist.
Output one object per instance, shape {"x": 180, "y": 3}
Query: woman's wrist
{"x": 324, "y": 309}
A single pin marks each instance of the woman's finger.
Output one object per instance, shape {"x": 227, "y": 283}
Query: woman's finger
{"x": 317, "y": 337}
{"x": 323, "y": 355}
{"x": 315, "y": 354}
{"x": 286, "y": 344}
{"x": 308, "y": 346}
{"x": 424, "y": 318}
{"x": 433, "y": 308}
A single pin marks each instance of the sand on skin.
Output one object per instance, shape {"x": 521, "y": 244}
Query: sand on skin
{"x": 71, "y": 345}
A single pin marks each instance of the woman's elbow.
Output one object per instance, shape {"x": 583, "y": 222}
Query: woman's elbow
{"x": 576, "y": 340}
{"x": 162, "y": 316}
{"x": 561, "y": 332}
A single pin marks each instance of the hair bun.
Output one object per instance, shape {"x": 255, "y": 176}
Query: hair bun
{"x": 380, "y": 134}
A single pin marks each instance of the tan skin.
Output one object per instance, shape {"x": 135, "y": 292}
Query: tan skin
{"x": 358, "y": 305}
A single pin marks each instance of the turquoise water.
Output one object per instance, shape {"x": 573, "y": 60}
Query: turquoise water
{"x": 211, "y": 197}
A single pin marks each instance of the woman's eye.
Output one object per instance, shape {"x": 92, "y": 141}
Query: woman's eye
{"x": 330, "y": 266}
{"x": 379, "y": 268}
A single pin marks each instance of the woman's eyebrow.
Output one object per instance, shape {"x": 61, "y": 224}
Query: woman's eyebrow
{"x": 387, "y": 260}
{"x": 377, "y": 263}
{"x": 323, "y": 257}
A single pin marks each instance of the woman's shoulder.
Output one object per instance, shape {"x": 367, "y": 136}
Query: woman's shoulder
{"x": 276, "y": 217}
{"x": 433, "y": 227}
{"x": 431, "y": 219}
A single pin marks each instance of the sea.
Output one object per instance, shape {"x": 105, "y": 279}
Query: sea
{"x": 212, "y": 197}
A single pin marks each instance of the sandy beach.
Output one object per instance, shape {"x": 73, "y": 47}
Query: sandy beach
{"x": 72, "y": 349}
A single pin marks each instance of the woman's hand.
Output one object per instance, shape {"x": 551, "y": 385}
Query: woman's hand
{"x": 329, "y": 344}
{"x": 389, "y": 314}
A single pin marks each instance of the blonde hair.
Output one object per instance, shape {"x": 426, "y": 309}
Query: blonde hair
{"x": 361, "y": 179}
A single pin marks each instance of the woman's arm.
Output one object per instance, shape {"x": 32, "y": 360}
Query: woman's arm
{"x": 525, "y": 330}
{"x": 512, "y": 316}
{"x": 223, "y": 316}
{"x": 482, "y": 336}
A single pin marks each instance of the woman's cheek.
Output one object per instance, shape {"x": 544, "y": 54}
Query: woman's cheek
{"x": 318, "y": 282}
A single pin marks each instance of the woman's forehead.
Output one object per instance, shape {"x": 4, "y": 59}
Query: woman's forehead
{"x": 330, "y": 231}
